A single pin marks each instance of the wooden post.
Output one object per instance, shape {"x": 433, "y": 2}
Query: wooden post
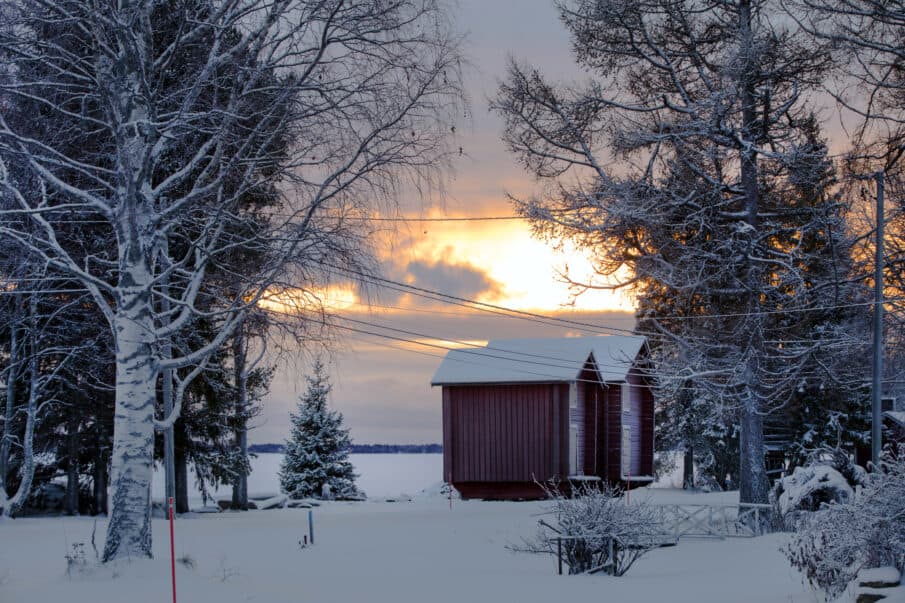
{"x": 676, "y": 524}
{"x": 559, "y": 554}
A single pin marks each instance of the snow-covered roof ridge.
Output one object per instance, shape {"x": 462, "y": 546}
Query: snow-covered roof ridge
{"x": 539, "y": 360}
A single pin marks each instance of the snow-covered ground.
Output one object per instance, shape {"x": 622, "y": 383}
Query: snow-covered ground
{"x": 417, "y": 551}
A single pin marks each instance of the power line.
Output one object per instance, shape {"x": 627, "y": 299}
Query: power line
{"x": 511, "y": 313}
{"x": 488, "y": 352}
{"x": 471, "y": 303}
{"x": 556, "y": 321}
{"x": 474, "y": 352}
{"x": 569, "y": 362}
{"x": 396, "y": 219}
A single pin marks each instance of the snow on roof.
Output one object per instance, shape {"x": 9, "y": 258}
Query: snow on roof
{"x": 896, "y": 415}
{"x": 539, "y": 360}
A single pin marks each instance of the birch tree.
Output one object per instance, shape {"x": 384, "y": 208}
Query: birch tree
{"x": 183, "y": 109}
{"x": 34, "y": 375}
{"x": 693, "y": 160}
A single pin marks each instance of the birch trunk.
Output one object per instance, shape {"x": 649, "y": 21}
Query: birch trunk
{"x": 134, "y": 328}
{"x": 11, "y": 376}
{"x": 12, "y": 505}
{"x": 129, "y": 530}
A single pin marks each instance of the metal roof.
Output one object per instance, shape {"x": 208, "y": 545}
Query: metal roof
{"x": 539, "y": 360}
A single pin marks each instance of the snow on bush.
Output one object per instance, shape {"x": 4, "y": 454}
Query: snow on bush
{"x": 595, "y": 530}
{"x": 831, "y": 478}
{"x": 809, "y": 488}
{"x": 837, "y": 541}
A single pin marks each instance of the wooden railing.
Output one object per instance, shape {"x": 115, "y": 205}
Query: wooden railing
{"x": 740, "y": 520}
{"x": 727, "y": 520}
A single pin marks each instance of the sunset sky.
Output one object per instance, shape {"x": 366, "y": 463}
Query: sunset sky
{"x": 382, "y": 386}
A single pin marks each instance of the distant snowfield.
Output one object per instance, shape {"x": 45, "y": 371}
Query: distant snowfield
{"x": 380, "y": 476}
{"x": 419, "y": 551}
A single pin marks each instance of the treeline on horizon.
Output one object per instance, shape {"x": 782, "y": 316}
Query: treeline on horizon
{"x": 362, "y": 448}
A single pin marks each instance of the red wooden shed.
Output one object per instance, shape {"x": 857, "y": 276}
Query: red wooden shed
{"x": 522, "y": 411}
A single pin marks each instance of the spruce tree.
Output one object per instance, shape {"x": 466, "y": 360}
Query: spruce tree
{"x": 693, "y": 161}
{"x": 317, "y": 452}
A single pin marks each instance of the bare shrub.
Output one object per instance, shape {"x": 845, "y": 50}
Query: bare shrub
{"x": 595, "y": 530}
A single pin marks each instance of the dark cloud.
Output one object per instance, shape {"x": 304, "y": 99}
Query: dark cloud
{"x": 460, "y": 280}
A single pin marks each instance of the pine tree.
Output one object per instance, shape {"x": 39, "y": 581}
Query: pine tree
{"x": 317, "y": 452}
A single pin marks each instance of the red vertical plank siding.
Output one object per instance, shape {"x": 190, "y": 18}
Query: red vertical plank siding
{"x": 613, "y": 431}
{"x": 583, "y": 416}
{"x": 602, "y": 434}
{"x": 479, "y": 425}
{"x": 448, "y": 445}
{"x": 504, "y": 433}
{"x": 519, "y": 433}
{"x": 500, "y": 412}
{"x": 590, "y": 433}
{"x": 647, "y": 432}
{"x": 577, "y": 418}
{"x": 633, "y": 419}
{"x": 464, "y": 440}
{"x": 552, "y": 457}
{"x": 564, "y": 412}
{"x": 462, "y": 464}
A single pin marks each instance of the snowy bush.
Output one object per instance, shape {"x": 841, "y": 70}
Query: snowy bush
{"x": 808, "y": 489}
{"x": 831, "y": 478}
{"x": 595, "y": 530}
{"x": 836, "y": 542}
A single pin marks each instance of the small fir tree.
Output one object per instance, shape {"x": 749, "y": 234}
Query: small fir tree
{"x": 317, "y": 452}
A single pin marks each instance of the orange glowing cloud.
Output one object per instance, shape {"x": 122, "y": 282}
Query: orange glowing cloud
{"x": 527, "y": 273}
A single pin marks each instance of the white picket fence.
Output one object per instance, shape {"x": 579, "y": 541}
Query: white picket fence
{"x": 741, "y": 520}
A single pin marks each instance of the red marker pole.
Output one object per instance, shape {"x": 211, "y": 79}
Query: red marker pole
{"x": 172, "y": 550}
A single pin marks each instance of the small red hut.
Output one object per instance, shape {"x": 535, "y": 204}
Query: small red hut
{"x": 522, "y": 411}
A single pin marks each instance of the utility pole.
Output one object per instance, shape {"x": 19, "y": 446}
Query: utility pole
{"x": 876, "y": 419}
